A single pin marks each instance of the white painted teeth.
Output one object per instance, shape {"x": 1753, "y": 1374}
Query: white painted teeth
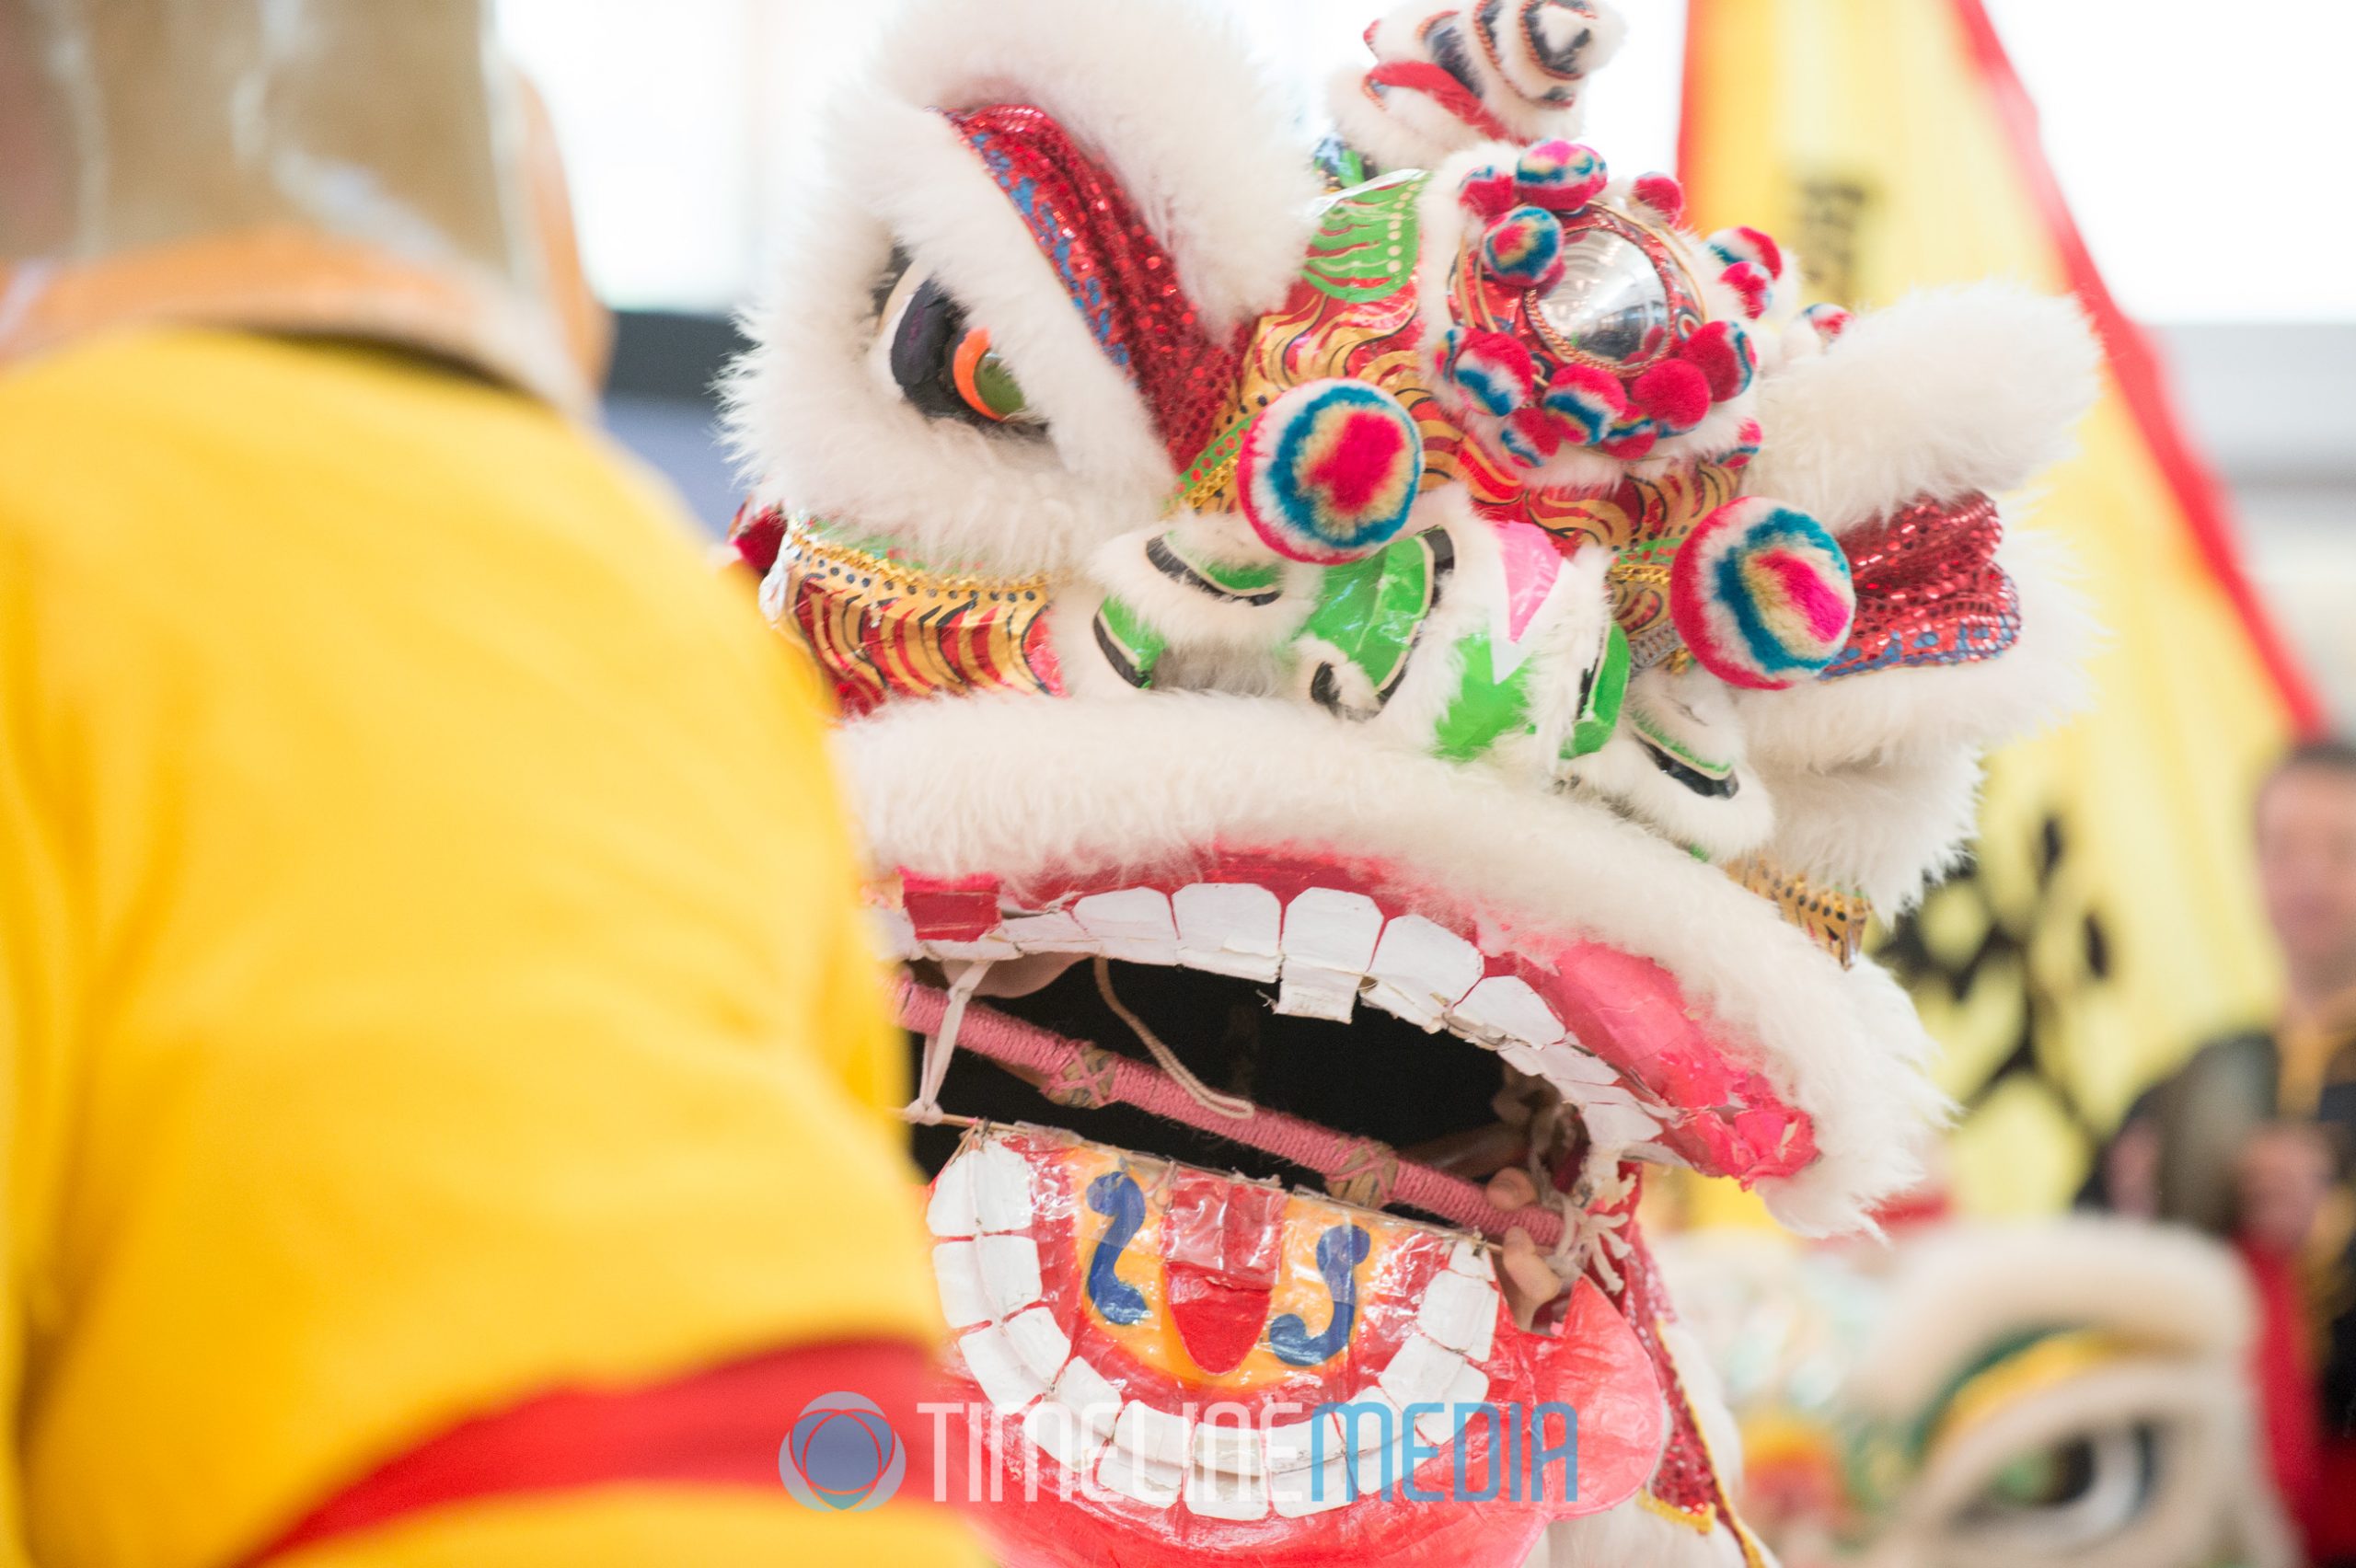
{"x": 1329, "y": 939}
{"x": 1230, "y": 928}
{"x": 1134, "y": 925}
{"x": 1324, "y": 950}
{"x": 1420, "y": 970}
{"x": 1503, "y": 1008}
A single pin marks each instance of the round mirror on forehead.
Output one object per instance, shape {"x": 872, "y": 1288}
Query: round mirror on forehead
{"x": 1620, "y": 304}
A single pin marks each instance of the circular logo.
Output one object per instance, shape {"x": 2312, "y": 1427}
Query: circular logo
{"x": 842, "y": 1455}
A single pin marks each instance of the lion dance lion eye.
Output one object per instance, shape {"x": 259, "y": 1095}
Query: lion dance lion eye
{"x": 944, "y": 366}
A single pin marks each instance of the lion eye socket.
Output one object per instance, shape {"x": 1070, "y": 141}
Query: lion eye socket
{"x": 2073, "y": 1493}
{"x": 943, "y": 365}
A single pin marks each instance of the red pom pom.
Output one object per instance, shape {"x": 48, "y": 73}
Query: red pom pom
{"x": 1752, "y": 284}
{"x": 1673, "y": 395}
{"x": 1631, "y": 441}
{"x": 1496, "y": 372}
{"x": 1489, "y": 192}
{"x": 1762, "y": 249}
{"x": 1531, "y": 436}
{"x": 1665, "y": 194}
{"x": 1722, "y": 353}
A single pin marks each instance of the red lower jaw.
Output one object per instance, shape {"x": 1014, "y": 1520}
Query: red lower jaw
{"x": 1352, "y": 1327}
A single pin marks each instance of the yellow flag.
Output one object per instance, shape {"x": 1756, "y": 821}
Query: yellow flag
{"x": 2109, "y": 922}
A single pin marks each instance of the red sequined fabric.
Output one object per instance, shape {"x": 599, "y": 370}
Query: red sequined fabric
{"x": 1685, "y": 1482}
{"x": 1929, "y": 590}
{"x": 1120, "y": 279}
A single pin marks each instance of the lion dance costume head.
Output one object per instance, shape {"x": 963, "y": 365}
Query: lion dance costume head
{"x": 1364, "y": 662}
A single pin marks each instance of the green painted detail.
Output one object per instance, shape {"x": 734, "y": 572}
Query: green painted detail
{"x": 1000, "y": 392}
{"x": 1677, "y": 749}
{"x": 1485, "y": 709}
{"x": 1364, "y": 246}
{"x": 1369, "y": 610}
{"x": 1212, "y": 471}
{"x": 1129, "y": 636}
{"x": 1241, "y": 578}
{"x": 1607, "y": 689}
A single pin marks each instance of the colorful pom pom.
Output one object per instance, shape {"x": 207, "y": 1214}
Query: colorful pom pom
{"x": 1724, "y": 355}
{"x": 1329, "y": 471}
{"x": 1753, "y": 285}
{"x": 1496, "y": 372}
{"x": 1762, "y": 595}
{"x": 1829, "y": 320}
{"x": 1736, "y": 246}
{"x": 1561, "y": 176}
{"x": 1531, "y": 436}
{"x": 1588, "y": 402}
{"x": 1674, "y": 394}
{"x": 1663, "y": 195}
{"x": 1632, "y": 439}
{"x": 1524, "y": 249}
{"x": 1488, "y": 191}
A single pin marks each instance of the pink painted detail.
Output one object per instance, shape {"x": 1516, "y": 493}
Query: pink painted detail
{"x": 950, "y": 909}
{"x": 1532, "y": 563}
{"x": 1826, "y": 611}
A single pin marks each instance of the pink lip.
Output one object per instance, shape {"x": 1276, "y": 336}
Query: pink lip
{"x": 1716, "y": 1115}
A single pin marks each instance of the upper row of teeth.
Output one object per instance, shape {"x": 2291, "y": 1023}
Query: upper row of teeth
{"x": 1323, "y": 950}
{"x": 988, "y": 1271}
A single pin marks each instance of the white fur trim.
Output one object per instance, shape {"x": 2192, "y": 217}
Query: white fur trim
{"x": 1017, "y": 786}
{"x": 1165, "y": 94}
{"x": 1190, "y": 617}
{"x": 1942, "y": 394}
{"x": 1967, "y": 1287}
{"x": 1694, "y": 710}
{"x": 818, "y": 430}
{"x": 1887, "y": 830}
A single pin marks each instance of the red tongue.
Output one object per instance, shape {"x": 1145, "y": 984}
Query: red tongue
{"x": 1220, "y": 1244}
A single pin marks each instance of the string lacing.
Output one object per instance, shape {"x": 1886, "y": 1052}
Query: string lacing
{"x": 1593, "y": 1213}
{"x": 1201, "y": 1093}
{"x": 941, "y": 1044}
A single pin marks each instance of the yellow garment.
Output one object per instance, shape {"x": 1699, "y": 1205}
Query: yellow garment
{"x": 2110, "y": 922}
{"x": 428, "y": 971}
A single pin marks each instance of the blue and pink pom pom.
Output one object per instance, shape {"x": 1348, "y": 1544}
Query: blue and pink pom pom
{"x": 1489, "y": 191}
{"x": 1496, "y": 370}
{"x": 1329, "y": 471}
{"x": 1524, "y": 249}
{"x": 1587, "y": 402}
{"x": 1762, "y": 595}
{"x": 1561, "y": 176}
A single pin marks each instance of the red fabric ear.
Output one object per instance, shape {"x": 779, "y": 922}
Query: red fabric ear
{"x": 1121, "y": 279}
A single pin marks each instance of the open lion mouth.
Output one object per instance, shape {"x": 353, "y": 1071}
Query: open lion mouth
{"x": 1312, "y": 991}
{"x": 1226, "y": 1137}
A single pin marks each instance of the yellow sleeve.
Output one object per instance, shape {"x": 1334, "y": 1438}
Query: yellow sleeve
{"x": 433, "y": 978}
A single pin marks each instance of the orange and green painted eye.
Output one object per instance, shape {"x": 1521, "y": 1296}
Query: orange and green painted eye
{"x": 984, "y": 382}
